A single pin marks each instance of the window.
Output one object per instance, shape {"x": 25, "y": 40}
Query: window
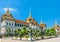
{"x": 18, "y": 25}
{"x": 21, "y": 25}
{"x": 15, "y": 24}
{"x": 9, "y": 24}
{"x": 6, "y": 23}
{"x": 27, "y": 25}
{"x": 12, "y": 24}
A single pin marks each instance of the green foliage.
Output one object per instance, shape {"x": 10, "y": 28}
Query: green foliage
{"x": 8, "y": 32}
{"x": 50, "y": 32}
{"x": 47, "y": 32}
{"x": 24, "y": 32}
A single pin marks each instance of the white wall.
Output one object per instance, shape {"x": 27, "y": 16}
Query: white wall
{"x": 8, "y": 21}
{"x": 3, "y": 30}
{"x": 11, "y": 22}
{"x": 3, "y": 23}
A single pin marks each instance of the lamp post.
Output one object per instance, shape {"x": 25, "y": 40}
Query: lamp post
{"x": 30, "y": 26}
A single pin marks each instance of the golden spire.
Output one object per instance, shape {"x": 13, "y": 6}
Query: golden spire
{"x": 56, "y": 22}
{"x": 7, "y": 10}
{"x": 41, "y": 21}
{"x": 30, "y": 14}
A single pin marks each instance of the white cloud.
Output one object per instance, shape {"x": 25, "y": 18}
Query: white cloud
{"x": 10, "y": 9}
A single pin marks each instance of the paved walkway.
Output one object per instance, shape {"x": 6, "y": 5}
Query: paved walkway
{"x": 47, "y": 40}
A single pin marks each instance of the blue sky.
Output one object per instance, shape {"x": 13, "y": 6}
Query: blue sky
{"x": 48, "y": 10}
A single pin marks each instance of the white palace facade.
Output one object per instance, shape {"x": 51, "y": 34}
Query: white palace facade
{"x": 8, "y": 21}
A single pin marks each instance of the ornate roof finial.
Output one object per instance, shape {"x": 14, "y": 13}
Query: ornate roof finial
{"x": 56, "y": 22}
{"x": 30, "y": 14}
{"x": 41, "y": 21}
{"x": 7, "y": 10}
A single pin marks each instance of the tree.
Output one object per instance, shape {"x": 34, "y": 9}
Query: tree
{"x": 52, "y": 32}
{"x": 25, "y": 31}
{"x": 20, "y": 34}
{"x": 37, "y": 33}
{"x": 47, "y": 32}
{"x": 8, "y": 32}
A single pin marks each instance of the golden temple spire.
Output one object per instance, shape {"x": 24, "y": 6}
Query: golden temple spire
{"x": 7, "y": 10}
{"x": 30, "y": 14}
{"x": 41, "y": 21}
{"x": 56, "y": 22}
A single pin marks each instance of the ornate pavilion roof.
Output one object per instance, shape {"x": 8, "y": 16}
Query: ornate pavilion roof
{"x": 42, "y": 24}
{"x": 7, "y": 16}
{"x": 31, "y": 20}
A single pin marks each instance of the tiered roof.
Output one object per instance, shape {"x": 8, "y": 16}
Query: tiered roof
{"x": 31, "y": 20}
{"x": 7, "y": 16}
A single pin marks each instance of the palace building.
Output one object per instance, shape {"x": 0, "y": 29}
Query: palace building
{"x": 8, "y": 21}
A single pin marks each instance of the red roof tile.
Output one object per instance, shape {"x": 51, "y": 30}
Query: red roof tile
{"x": 21, "y": 22}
